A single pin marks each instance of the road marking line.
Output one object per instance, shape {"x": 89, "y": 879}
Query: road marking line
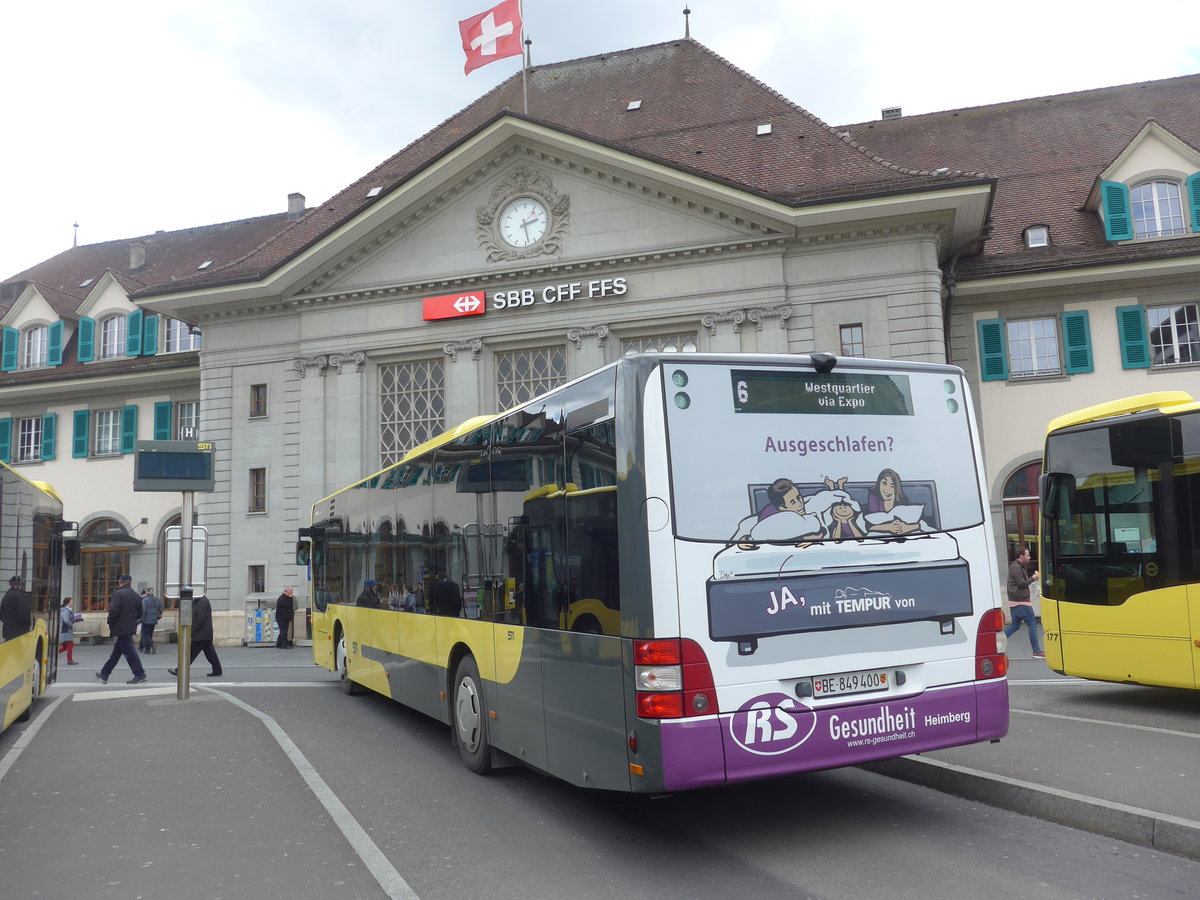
{"x": 26, "y": 737}
{"x": 389, "y": 879}
{"x": 1149, "y": 728}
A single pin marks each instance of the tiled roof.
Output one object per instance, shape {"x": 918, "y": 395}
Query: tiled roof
{"x": 1047, "y": 153}
{"x": 66, "y": 279}
{"x": 699, "y": 113}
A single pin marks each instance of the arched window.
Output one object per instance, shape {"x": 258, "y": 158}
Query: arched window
{"x": 37, "y": 343}
{"x": 112, "y": 337}
{"x": 1157, "y": 209}
{"x": 1021, "y": 509}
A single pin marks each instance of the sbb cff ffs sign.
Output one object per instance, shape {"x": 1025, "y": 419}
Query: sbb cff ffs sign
{"x": 453, "y": 306}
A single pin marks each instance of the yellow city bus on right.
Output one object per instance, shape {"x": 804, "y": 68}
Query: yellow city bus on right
{"x": 1120, "y": 541}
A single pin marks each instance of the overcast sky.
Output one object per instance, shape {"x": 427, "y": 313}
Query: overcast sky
{"x": 131, "y": 116}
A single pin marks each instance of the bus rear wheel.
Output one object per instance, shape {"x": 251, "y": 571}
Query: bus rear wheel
{"x": 343, "y": 667}
{"x": 469, "y": 717}
{"x": 37, "y": 688}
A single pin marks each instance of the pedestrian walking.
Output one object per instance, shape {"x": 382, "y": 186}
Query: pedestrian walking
{"x": 1020, "y": 604}
{"x": 16, "y": 610}
{"x": 66, "y": 632}
{"x": 202, "y": 637}
{"x": 285, "y": 609}
{"x": 124, "y": 612}
{"x": 152, "y": 610}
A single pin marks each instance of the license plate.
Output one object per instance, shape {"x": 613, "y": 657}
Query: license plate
{"x": 851, "y": 683}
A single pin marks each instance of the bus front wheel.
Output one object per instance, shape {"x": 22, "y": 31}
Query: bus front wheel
{"x": 470, "y": 719}
{"x": 343, "y": 667}
{"x": 37, "y": 688}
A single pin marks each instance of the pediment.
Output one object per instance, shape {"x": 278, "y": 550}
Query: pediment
{"x": 1154, "y": 152}
{"x": 28, "y": 308}
{"x": 108, "y": 295}
{"x": 593, "y": 215}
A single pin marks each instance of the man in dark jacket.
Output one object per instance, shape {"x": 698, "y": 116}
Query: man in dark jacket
{"x": 285, "y": 608}
{"x": 152, "y": 610}
{"x": 16, "y": 609}
{"x": 202, "y": 636}
{"x": 124, "y": 613}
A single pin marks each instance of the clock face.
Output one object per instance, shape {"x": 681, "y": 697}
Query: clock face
{"x": 523, "y": 222}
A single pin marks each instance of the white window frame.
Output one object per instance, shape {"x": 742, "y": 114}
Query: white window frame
{"x": 856, "y": 345}
{"x": 180, "y": 337}
{"x": 29, "y": 439}
{"x": 1161, "y": 322}
{"x": 1037, "y": 236}
{"x": 113, "y": 340}
{"x": 106, "y": 432}
{"x": 36, "y": 351}
{"x": 187, "y": 412}
{"x": 412, "y": 406}
{"x": 1032, "y": 339}
{"x": 250, "y": 508}
{"x": 1159, "y": 214}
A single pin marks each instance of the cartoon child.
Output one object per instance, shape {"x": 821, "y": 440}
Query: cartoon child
{"x": 844, "y": 519}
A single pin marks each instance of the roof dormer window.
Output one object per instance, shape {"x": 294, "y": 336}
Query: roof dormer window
{"x": 1037, "y": 236}
{"x": 1157, "y": 210}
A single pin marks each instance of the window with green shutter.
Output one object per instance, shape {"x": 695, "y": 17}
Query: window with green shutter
{"x": 128, "y": 428}
{"x": 150, "y": 336}
{"x": 1131, "y": 329}
{"x": 1193, "y": 191}
{"x": 993, "y": 354}
{"x": 86, "y": 351}
{"x": 6, "y": 440}
{"x": 79, "y": 437}
{"x": 1078, "y": 341}
{"x": 49, "y": 432}
{"x": 8, "y": 356}
{"x": 133, "y": 333}
{"x": 54, "y": 353}
{"x": 1118, "y": 223}
{"x": 162, "y": 421}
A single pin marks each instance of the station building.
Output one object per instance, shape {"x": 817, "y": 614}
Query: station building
{"x": 651, "y": 199}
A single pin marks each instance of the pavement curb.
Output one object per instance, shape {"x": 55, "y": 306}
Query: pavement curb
{"x": 1143, "y": 827}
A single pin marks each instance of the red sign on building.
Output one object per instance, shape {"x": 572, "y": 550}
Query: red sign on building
{"x": 453, "y": 306}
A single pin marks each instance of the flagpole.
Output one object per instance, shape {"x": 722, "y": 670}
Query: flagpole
{"x": 524, "y": 61}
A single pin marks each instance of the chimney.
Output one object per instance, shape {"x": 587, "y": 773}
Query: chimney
{"x": 137, "y": 255}
{"x": 295, "y": 205}
{"x": 890, "y": 112}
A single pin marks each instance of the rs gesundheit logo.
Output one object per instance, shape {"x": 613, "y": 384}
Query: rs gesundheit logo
{"x": 772, "y": 724}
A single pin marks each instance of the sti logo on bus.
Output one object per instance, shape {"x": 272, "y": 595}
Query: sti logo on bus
{"x": 453, "y": 306}
{"x": 772, "y": 724}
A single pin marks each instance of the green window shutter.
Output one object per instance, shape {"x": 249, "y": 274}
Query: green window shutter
{"x": 1118, "y": 223}
{"x": 149, "y": 335}
{"x": 128, "y": 428}
{"x": 1193, "y": 191}
{"x": 79, "y": 438}
{"x": 1078, "y": 339}
{"x": 6, "y": 440}
{"x": 993, "y": 350}
{"x": 133, "y": 333}
{"x": 87, "y": 340}
{"x": 1135, "y": 344}
{"x": 49, "y": 431}
{"x": 12, "y": 339}
{"x": 162, "y": 421}
{"x": 54, "y": 351}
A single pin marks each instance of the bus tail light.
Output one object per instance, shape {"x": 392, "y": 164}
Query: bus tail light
{"x": 991, "y": 646}
{"x": 673, "y": 679}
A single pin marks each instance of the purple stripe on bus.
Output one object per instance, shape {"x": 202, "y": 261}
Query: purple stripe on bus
{"x": 778, "y": 735}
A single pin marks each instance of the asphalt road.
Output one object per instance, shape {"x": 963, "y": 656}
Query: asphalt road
{"x": 269, "y": 782}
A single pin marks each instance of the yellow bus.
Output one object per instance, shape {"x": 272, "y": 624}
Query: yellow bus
{"x": 678, "y": 571}
{"x": 1120, "y": 541}
{"x": 31, "y": 560}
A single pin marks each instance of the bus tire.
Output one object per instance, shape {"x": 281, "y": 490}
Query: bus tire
{"x": 468, "y": 718}
{"x": 343, "y": 667}
{"x": 37, "y": 689}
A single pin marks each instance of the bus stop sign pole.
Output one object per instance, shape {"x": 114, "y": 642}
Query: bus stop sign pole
{"x": 185, "y": 599}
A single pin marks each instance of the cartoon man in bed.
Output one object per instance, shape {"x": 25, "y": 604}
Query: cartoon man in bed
{"x": 790, "y": 516}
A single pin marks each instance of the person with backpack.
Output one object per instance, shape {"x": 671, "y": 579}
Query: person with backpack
{"x": 152, "y": 610}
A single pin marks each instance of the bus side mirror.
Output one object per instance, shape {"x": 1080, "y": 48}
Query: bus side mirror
{"x": 71, "y": 551}
{"x": 1057, "y": 494}
{"x": 302, "y": 553}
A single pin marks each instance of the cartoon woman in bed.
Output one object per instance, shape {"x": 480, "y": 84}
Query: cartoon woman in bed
{"x": 889, "y": 509}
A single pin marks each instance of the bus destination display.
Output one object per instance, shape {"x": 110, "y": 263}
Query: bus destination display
{"x": 757, "y": 391}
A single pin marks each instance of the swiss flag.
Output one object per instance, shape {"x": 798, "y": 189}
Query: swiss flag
{"x": 491, "y": 35}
